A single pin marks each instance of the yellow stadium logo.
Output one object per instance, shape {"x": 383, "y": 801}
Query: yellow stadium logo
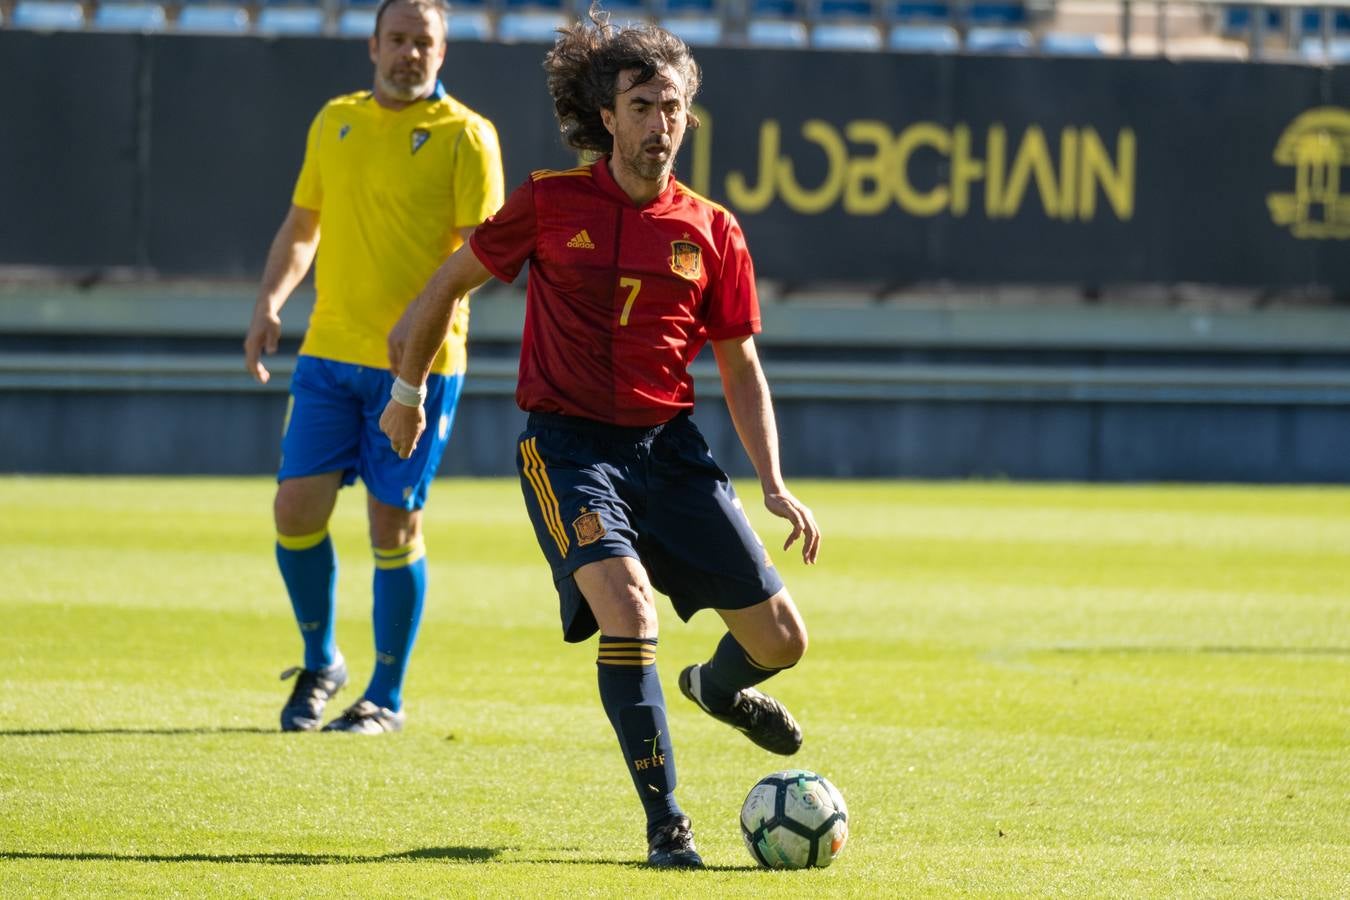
{"x": 1317, "y": 146}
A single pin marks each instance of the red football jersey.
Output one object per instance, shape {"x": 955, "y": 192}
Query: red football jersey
{"x": 620, "y": 297}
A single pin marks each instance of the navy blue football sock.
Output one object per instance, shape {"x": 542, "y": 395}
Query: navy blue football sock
{"x": 400, "y": 589}
{"x": 729, "y": 670}
{"x": 631, "y": 693}
{"x": 309, "y": 568}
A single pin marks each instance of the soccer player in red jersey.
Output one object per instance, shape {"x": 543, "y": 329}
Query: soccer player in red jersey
{"x": 630, "y": 275}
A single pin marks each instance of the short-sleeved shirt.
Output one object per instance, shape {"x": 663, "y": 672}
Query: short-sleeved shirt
{"x": 392, "y": 188}
{"x": 620, "y": 297}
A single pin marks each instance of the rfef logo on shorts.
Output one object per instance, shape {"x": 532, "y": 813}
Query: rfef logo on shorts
{"x": 686, "y": 259}
{"x": 588, "y": 527}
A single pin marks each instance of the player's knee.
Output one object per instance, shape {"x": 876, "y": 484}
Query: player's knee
{"x": 293, "y": 514}
{"x": 628, "y": 611}
{"x": 787, "y": 648}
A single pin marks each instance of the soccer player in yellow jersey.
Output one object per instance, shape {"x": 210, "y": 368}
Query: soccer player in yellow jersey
{"x": 394, "y": 180}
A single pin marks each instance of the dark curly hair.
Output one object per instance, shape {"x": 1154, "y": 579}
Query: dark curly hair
{"x": 583, "y": 71}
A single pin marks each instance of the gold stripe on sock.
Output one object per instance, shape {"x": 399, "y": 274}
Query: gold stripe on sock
{"x": 400, "y": 557}
{"x": 301, "y": 541}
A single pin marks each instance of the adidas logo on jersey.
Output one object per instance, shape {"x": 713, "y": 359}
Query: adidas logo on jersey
{"x": 581, "y": 241}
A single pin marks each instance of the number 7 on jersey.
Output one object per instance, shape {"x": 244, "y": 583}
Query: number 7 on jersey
{"x": 634, "y": 285}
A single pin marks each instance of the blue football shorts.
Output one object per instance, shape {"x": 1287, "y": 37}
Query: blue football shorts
{"x": 333, "y": 425}
{"x": 595, "y": 491}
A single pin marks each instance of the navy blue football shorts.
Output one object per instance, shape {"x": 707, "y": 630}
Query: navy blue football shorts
{"x": 596, "y": 491}
{"x": 333, "y": 425}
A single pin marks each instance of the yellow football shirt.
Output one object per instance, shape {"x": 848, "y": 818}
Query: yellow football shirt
{"x": 391, "y": 189}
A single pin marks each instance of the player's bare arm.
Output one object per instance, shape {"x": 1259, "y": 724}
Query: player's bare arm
{"x": 431, "y": 314}
{"x": 288, "y": 260}
{"x": 398, "y": 335}
{"x": 751, "y": 409}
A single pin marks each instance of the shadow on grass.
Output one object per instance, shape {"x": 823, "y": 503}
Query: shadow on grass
{"x": 636, "y": 864}
{"x": 455, "y": 854}
{"x": 47, "y": 732}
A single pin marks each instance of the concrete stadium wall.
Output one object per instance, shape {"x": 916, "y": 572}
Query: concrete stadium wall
{"x": 102, "y": 384}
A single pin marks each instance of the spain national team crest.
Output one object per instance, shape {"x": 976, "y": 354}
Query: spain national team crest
{"x": 419, "y": 137}
{"x": 588, "y": 527}
{"x": 686, "y": 259}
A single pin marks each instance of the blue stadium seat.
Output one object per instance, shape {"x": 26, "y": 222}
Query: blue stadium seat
{"x": 919, "y": 11}
{"x": 1313, "y": 51}
{"x": 924, "y": 39}
{"x": 530, "y": 26}
{"x": 775, "y": 33}
{"x": 468, "y": 25}
{"x": 843, "y": 9}
{"x": 698, "y": 8}
{"x": 1064, "y": 43}
{"x": 994, "y": 13}
{"x": 998, "y": 40}
{"x": 290, "y": 20}
{"x": 213, "y": 19}
{"x": 845, "y": 36}
{"x": 48, "y": 15}
{"x": 356, "y": 22}
{"x": 696, "y": 31}
{"x": 114, "y": 16}
{"x": 1311, "y": 21}
{"x": 1238, "y": 20}
{"x": 774, "y": 9}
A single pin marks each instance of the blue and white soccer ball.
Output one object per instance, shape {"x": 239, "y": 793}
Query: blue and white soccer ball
{"x": 794, "y": 820}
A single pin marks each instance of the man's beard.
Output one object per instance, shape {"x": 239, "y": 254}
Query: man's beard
{"x": 647, "y": 168}
{"x": 404, "y": 91}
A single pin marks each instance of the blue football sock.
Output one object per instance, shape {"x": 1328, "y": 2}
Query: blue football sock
{"x": 729, "y": 670}
{"x": 309, "y": 568}
{"x": 400, "y": 589}
{"x": 631, "y": 693}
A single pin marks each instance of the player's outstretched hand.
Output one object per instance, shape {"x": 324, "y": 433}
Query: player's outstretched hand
{"x": 263, "y": 334}
{"x": 804, "y": 524}
{"x": 403, "y": 425}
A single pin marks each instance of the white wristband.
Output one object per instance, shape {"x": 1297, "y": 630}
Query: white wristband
{"x": 406, "y": 394}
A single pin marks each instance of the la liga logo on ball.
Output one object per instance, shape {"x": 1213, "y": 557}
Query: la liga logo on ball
{"x": 794, "y": 820}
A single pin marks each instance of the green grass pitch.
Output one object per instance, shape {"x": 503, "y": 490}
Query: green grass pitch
{"x": 1020, "y": 690}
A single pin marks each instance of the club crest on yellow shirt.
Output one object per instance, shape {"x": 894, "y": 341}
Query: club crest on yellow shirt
{"x": 419, "y": 137}
{"x": 686, "y": 259}
{"x": 588, "y": 527}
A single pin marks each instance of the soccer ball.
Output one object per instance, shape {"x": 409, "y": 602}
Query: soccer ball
{"x": 794, "y": 820}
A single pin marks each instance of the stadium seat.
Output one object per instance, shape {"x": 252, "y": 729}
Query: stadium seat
{"x": 212, "y": 19}
{"x": 698, "y": 8}
{"x": 290, "y": 20}
{"x": 1311, "y": 21}
{"x": 130, "y": 17}
{"x": 356, "y": 22}
{"x": 998, "y": 40}
{"x": 1338, "y": 51}
{"x": 530, "y": 27}
{"x": 696, "y": 31}
{"x": 469, "y": 25}
{"x": 1238, "y": 20}
{"x": 924, "y": 39}
{"x": 48, "y": 15}
{"x": 775, "y": 33}
{"x": 843, "y": 9}
{"x": 994, "y": 13}
{"x": 1064, "y": 43}
{"x": 909, "y": 11}
{"x": 845, "y": 36}
{"x": 774, "y": 9}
